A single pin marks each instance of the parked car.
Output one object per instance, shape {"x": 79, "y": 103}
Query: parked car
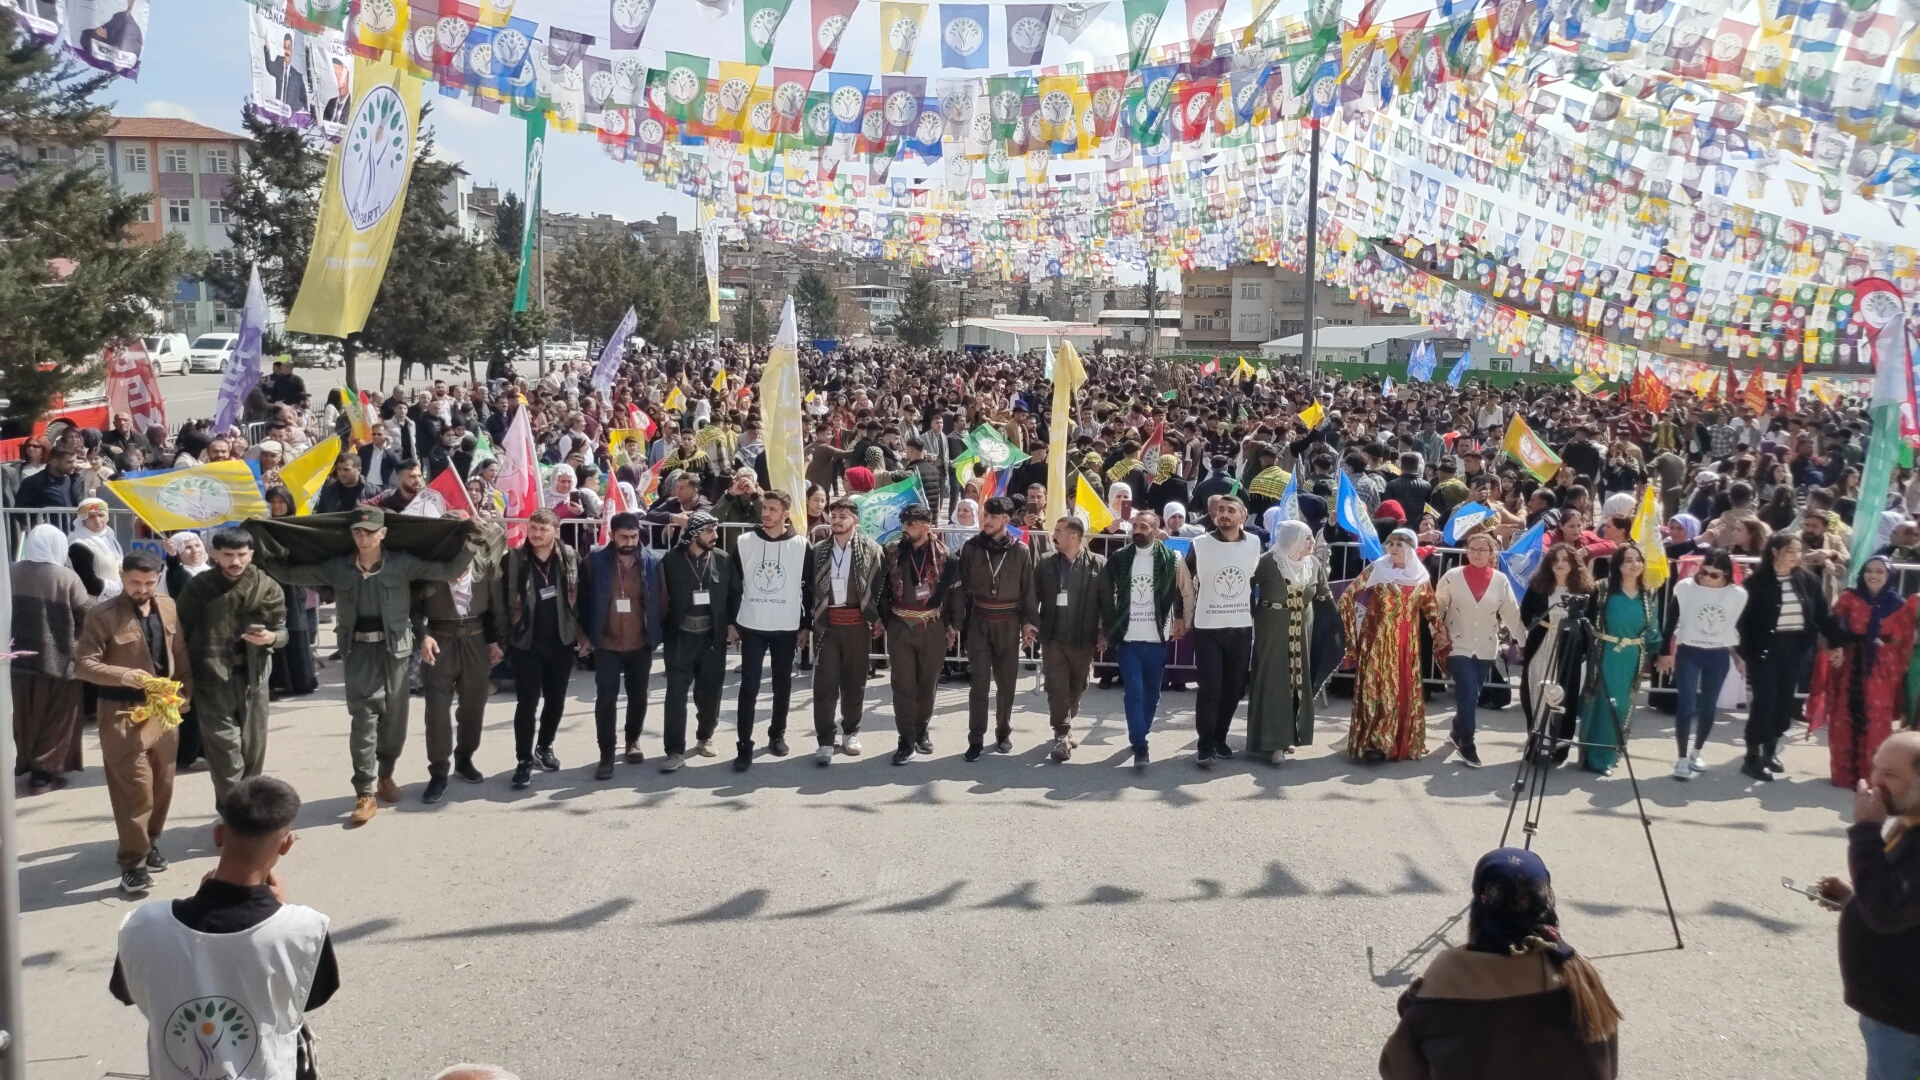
{"x": 211, "y": 352}
{"x": 167, "y": 353}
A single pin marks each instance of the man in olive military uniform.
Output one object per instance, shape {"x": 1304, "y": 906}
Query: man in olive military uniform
{"x": 461, "y": 625}
{"x": 700, "y": 607}
{"x": 372, "y": 591}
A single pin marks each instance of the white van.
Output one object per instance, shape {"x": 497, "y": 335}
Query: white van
{"x": 167, "y": 353}
{"x": 211, "y": 352}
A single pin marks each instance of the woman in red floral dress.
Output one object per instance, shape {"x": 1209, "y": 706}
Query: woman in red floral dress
{"x": 1389, "y": 707}
{"x": 1858, "y": 687}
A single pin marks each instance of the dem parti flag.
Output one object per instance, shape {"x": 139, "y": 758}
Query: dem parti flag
{"x": 1523, "y": 446}
{"x": 782, "y": 409}
{"x": 360, "y": 205}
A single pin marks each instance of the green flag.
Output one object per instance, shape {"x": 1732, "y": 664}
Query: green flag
{"x": 880, "y": 508}
{"x": 993, "y": 449}
{"x": 761, "y": 22}
{"x": 1142, "y": 19}
{"x": 686, "y": 78}
{"x": 530, "y": 204}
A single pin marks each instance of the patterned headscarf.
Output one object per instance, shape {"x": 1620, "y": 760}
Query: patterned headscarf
{"x": 1270, "y": 484}
{"x": 1164, "y": 468}
{"x": 1512, "y": 906}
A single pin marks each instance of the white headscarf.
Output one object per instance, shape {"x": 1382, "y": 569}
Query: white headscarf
{"x": 106, "y": 549}
{"x": 971, "y": 507}
{"x": 206, "y": 561}
{"x": 1114, "y": 494}
{"x": 1288, "y": 538}
{"x": 45, "y": 544}
{"x": 1383, "y": 572}
{"x": 554, "y": 496}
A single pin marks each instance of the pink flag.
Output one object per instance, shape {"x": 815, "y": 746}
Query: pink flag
{"x": 519, "y": 475}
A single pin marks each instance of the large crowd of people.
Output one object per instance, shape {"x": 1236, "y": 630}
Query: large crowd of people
{"x": 1226, "y": 556}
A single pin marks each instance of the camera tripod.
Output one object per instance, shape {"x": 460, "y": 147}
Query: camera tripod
{"x": 1543, "y": 744}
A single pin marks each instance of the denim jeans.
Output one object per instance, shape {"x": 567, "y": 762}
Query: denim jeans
{"x": 1469, "y": 674}
{"x": 1697, "y": 677}
{"x": 1141, "y": 664}
{"x": 1892, "y": 1054}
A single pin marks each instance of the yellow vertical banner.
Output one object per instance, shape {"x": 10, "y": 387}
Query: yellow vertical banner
{"x": 710, "y": 254}
{"x": 360, "y": 204}
{"x": 781, "y": 410}
{"x": 1068, "y": 375}
{"x": 899, "y": 33}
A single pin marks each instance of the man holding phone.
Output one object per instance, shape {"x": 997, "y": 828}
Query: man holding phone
{"x": 233, "y": 618}
{"x": 1880, "y": 910}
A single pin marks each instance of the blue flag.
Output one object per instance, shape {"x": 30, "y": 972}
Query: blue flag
{"x": 609, "y": 364}
{"x": 1464, "y": 518}
{"x": 1352, "y": 515}
{"x": 1460, "y": 368}
{"x": 1420, "y": 365}
{"x": 1386, "y": 388}
{"x": 880, "y": 508}
{"x": 1290, "y": 500}
{"x": 243, "y": 371}
{"x": 1523, "y": 556}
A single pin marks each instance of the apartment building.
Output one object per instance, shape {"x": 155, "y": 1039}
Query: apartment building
{"x": 1252, "y": 303}
{"x": 183, "y": 169}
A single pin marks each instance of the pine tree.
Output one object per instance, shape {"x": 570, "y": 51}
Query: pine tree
{"x": 753, "y": 322}
{"x": 508, "y": 223}
{"x": 816, "y": 307}
{"x": 72, "y": 275}
{"x": 920, "y": 321}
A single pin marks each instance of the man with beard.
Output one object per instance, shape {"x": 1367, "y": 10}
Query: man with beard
{"x": 407, "y": 483}
{"x": 621, "y": 616}
{"x": 347, "y": 489}
{"x": 1145, "y": 604}
{"x": 998, "y": 613}
{"x": 700, "y": 607}
{"x": 462, "y": 624}
{"x": 846, "y": 590}
{"x": 773, "y": 576}
{"x": 917, "y": 576}
{"x": 1068, "y": 584}
{"x": 233, "y": 618}
{"x": 1222, "y": 563}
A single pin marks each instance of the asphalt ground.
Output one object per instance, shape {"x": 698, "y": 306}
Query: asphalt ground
{"x": 1008, "y": 918}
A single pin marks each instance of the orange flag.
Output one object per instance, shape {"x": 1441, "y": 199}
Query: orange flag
{"x": 1792, "y": 399}
{"x": 1757, "y": 391}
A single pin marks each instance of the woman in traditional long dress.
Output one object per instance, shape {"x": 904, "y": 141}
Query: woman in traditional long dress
{"x": 1562, "y": 579}
{"x": 1389, "y": 706}
{"x": 49, "y": 606}
{"x": 1627, "y": 619}
{"x": 1858, "y": 688}
{"x": 1287, "y": 581}
{"x": 294, "y": 673}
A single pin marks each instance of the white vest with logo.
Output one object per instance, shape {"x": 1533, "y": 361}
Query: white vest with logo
{"x": 771, "y": 573}
{"x": 1223, "y": 575}
{"x": 221, "y": 1005}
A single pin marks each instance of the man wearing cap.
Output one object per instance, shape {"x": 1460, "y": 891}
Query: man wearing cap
{"x": 270, "y": 454}
{"x": 700, "y": 609}
{"x": 846, "y": 618}
{"x": 998, "y": 613}
{"x": 916, "y": 598}
{"x": 372, "y": 606}
{"x": 461, "y": 625}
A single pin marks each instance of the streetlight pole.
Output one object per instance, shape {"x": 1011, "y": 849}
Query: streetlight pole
{"x": 540, "y": 249}
{"x": 1313, "y": 229}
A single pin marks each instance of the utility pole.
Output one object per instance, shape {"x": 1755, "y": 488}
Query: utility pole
{"x": 1313, "y": 239}
{"x": 1153, "y": 310}
{"x": 13, "y": 1053}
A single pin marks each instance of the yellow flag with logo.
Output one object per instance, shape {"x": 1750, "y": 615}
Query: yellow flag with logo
{"x": 1523, "y": 446}
{"x": 305, "y": 475}
{"x": 1089, "y": 506}
{"x": 676, "y": 401}
{"x": 720, "y": 382}
{"x": 1646, "y": 533}
{"x": 783, "y": 417}
{"x": 899, "y": 33}
{"x": 619, "y": 457}
{"x": 1312, "y": 415}
{"x": 196, "y": 498}
{"x": 1069, "y": 374}
{"x": 360, "y": 205}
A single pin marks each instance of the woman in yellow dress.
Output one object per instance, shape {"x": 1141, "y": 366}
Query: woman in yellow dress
{"x": 1389, "y": 709}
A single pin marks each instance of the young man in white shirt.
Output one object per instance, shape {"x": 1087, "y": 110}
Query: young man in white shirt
{"x": 774, "y": 568}
{"x": 1145, "y": 604}
{"x": 1222, "y": 564}
{"x": 226, "y": 976}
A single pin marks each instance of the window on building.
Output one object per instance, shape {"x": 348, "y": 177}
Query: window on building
{"x": 179, "y": 211}
{"x": 135, "y": 159}
{"x": 216, "y": 212}
{"x": 216, "y": 161}
{"x": 225, "y": 316}
{"x": 43, "y": 153}
{"x": 1293, "y": 294}
{"x": 144, "y": 212}
{"x": 99, "y": 157}
{"x": 174, "y": 159}
{"x": 1249, "y": 290}
{"x": 1249, "y": 324}
{"x": 1499, "y": 363}
{"x": 1289, "y": 327}
{"x": 1203, "y": 322}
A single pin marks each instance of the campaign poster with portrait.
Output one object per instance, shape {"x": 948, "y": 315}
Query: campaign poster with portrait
{"x": 107, "y": 34}
{"x": 279, "y": 59}
{"x": 40, "y": 19}
{"x": 329, "y": 81}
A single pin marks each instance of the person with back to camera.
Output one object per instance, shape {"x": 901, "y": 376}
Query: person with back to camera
{"x": 1516, "y": 1002}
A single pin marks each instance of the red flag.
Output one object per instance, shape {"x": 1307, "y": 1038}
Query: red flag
{"x": 448, "y": 493}
{"x": 614, "y": 503}
{"x": 1793, "y": 388}
{"x": 1757, "y": 391}
{"x": 1211, "y": 367}
{"x": 1154, "y": 443}
{"x": 133, "y": 390}
{"x": 1731, "y": 392}
{"x": 640, "y": 420}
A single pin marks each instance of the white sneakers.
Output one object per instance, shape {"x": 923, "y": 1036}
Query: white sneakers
{"x": 1682, "y": 769}
{"x": 824, "y": 755}
{"x": 673, "y": 763}
{"x": 850, "y": 746}
{"x": 1698, "y": 762}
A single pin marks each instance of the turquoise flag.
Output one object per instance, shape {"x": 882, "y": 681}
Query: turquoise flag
{"x": 880, "y": 508}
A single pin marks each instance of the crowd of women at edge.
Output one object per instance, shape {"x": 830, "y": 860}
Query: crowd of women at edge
{"x": 1756, "y": 508}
